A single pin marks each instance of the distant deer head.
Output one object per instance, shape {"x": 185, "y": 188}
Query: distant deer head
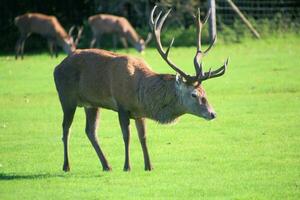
{"x": 71, "y": 43}
{"x": 189, "y": 89}
{"x": 142, "y": 44}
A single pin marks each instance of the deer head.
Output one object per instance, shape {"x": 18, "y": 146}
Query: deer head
{"x": 141, "y": 44}
{"x": 188, "y": 87}
{"x": 71, "y": 44}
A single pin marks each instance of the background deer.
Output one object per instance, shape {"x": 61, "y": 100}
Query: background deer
{"x": 95, "y": 78}
{"x": 119, "y": 27}
{"x": 48, "y": 27}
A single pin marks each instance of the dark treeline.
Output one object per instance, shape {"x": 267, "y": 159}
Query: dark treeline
{"x": 76, "y": 12}
{"x": 68, "y": 12}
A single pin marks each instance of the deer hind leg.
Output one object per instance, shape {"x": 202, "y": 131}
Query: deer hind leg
{"x": 114, "y": 37}
{"x": 66, "y": 92}
{"x": 125, "y": 127}
{"x": 141, "y": 128}
{"x": 96, "y": 40}
{"x": 18, "y": 48}
{"x": 19, "y": 44}
{"x": 50, "y": 44}
{"x": 92, "y": 118}
{"x": 124, "y": 43}
{"x": 67, "y": 121}
{"x": 55, "y": 49}
{"x": 23, "y": 44}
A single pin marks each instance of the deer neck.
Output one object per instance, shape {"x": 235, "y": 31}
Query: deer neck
{"x": 159, "y": 99}
{"x": 132, "y": 37}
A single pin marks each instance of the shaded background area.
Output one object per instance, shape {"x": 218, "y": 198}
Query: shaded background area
{"x": 277, "y": 14}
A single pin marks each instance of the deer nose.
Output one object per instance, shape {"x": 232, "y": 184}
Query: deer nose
{"x": 213, "y": 115}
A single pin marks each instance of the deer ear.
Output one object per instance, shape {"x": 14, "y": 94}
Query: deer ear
{"x": 178, "y": 79}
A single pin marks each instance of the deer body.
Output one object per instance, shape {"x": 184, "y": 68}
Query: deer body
{"x": 109, "y": 80}
{"x": 95, "y": 79}
{"x": 46, "y": 26}
{"x": 111, "y": 24}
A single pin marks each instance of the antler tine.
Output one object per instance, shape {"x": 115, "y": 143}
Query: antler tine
{"x": 199, "y": 55}
{"x": 199, "y": 29}
{"x": 201, "y": 76}
{"x": 216, "y": 73}
{"x": 151, "y": 22}
{"x": 71, "y": 30}
{"x": 215, "y": 37}
{"x": 79, "y": 33}
{"x": 170, "y": 45}
{"x": 163, "y": 19}
{"x": 156, "y": 26}
{"x": 148, "y": 39}
{"x": 211, "y": 45}
{"x": 207, "y": 16}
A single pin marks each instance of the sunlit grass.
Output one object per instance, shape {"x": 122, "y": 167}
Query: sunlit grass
{"x": 251, "y": 151}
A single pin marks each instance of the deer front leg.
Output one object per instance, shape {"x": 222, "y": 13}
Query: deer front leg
{"x": 124, "y": 43}
{"x": 67, "y": 121}
{"x": 92, "y": 118}
{"x": 125, "y": 127}
{"x": 114, "y": 37}
{"x": 22, "y": 47}
{"x": 141, "y": 128}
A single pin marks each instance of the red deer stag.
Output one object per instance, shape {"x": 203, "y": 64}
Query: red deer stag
{"x": 95, "y": 78}
{"x": 48, "y": 27}
{"x": 119, "y": 27}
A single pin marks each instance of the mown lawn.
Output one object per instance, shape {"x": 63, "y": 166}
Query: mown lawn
{"x": 251, "y": 151}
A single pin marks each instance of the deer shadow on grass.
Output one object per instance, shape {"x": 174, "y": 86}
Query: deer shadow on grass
{"x": 12, "y": 176}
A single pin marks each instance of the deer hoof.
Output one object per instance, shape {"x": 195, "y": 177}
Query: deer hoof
{"x": 66, "y": 168}
{"x": 149, "y": 168}
{"x": 107, "y": 169}
{"x": 127, "y": 169}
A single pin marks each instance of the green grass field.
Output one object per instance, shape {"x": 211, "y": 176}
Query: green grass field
{"x": 251, "y": 151}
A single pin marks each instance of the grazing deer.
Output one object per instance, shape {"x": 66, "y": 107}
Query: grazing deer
{"x": 95, "y": 78}
{"x": 119, "y": 27}
{"x": 48, "y": 27}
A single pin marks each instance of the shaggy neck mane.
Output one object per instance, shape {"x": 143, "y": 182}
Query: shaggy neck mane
{"x": 158, "y": 96}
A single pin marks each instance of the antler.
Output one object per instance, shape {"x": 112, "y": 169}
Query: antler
{"x": 201, "y": 76}
{"x": 156, "y": 25}
{"x": 156, "y": 30}
{"x": 79, "y": 33}
{"x": 148, "y": 39}
{"x": 71, "y": 30}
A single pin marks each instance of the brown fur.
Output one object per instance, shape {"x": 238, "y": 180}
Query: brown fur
{"x": 41, "y": 24}
{"x": 95, "y": 78}
{"x": 111, "y": 24}
{"x": 106, "y": 79}
{"x": 46, "y": 26}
